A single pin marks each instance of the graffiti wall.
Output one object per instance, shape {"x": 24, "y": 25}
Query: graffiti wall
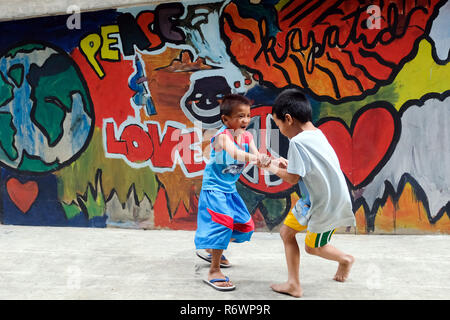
{"x": 105, "y": 117}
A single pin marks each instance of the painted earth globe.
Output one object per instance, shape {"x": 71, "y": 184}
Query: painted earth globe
{"x": 46, "y": 113}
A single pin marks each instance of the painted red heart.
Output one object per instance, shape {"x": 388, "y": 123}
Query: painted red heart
{"x": 362, "y": 149}
{"x": 22, "y": 195}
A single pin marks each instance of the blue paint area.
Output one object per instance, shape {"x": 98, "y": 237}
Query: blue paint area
{"x": 98, "y": 222}
{"x": 139, "y": 84}
{"x": 80, "y": 125}
{"x": 46, "y": 210}
{"x": 81, "y": 220}
{"x": 20, "y": 109}
{"x": 262, "y": 95}
{"x": 315, "y": 106}
{"x": 265, "y": 10}
{"x": 54, "y": 29}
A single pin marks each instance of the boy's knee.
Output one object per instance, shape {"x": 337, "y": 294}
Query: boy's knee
{"x": 287, "y": 233}
{"x": 313, "y": 251}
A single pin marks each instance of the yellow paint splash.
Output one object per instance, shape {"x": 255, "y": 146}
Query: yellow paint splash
{"x": 407, "y": 215}
{"x": 420, "y": 76}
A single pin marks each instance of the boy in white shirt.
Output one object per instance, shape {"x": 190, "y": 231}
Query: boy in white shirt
{"x": 325, "y": 204}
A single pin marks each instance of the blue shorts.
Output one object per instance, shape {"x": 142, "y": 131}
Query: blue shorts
{"x": 222, "y": 217}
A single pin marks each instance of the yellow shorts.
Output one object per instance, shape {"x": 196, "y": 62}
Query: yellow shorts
{"x": 312, "y": 240}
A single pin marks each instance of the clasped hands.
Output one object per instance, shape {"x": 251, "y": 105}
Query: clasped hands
{"x": 264, "y": 161}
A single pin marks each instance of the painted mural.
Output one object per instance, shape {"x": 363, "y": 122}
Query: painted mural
{"x": 107, "y": 123}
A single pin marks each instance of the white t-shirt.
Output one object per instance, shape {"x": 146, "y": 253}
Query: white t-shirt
{"x": 311, "y": 157}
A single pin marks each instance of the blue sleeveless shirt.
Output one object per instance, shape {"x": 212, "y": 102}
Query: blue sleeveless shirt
{"x": 222, "y": 171}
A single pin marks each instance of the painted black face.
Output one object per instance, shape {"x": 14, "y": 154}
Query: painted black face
{"x": 203, "y": 104}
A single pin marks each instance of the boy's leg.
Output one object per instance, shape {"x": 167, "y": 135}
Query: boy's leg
{"x": 292, "y": 252}
{"x": 214, "y": 269}
{"x": 222, "y": 261}
{"x": 332, "y": 253}
{"x": 210, "y": 233}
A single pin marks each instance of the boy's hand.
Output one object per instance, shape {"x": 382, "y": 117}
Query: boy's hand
{"x": 280, "y": 162}
{"x": 263, "y": 160}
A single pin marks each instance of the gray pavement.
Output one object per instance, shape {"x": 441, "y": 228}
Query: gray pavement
{"x": 88, "y": 263}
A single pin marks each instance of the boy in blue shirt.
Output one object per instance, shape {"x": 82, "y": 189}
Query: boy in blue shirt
{"x": 222, "y": 214}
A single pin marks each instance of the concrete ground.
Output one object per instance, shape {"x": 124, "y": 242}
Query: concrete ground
{"x": 89, "y": 264}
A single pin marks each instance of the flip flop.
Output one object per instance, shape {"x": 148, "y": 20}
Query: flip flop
{"x": 212, "y": 281}
{"x": 207, "y": 257}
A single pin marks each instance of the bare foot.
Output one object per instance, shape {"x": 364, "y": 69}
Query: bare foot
{"x": 344, "y": 269}
{"x": 223, "y": 262}
{"x": 288, "y": 288}
{"x": 219, "y": 275}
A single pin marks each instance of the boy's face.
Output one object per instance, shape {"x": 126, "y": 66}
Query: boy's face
{"x": 239, "y": 119}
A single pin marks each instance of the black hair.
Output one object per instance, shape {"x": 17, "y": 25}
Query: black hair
{"x": 293, "y": 102}
{"x": 230, "y": 101}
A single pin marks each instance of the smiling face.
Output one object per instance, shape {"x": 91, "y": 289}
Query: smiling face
{"x": 239, "y": 118}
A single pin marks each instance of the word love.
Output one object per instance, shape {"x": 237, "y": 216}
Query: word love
{"x": 145, "y": 145}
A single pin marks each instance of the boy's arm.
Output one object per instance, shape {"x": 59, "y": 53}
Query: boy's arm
{"x": 252, "y": 147}
{"x": 263, "y": 159}
{"x": 224, "y": 142}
